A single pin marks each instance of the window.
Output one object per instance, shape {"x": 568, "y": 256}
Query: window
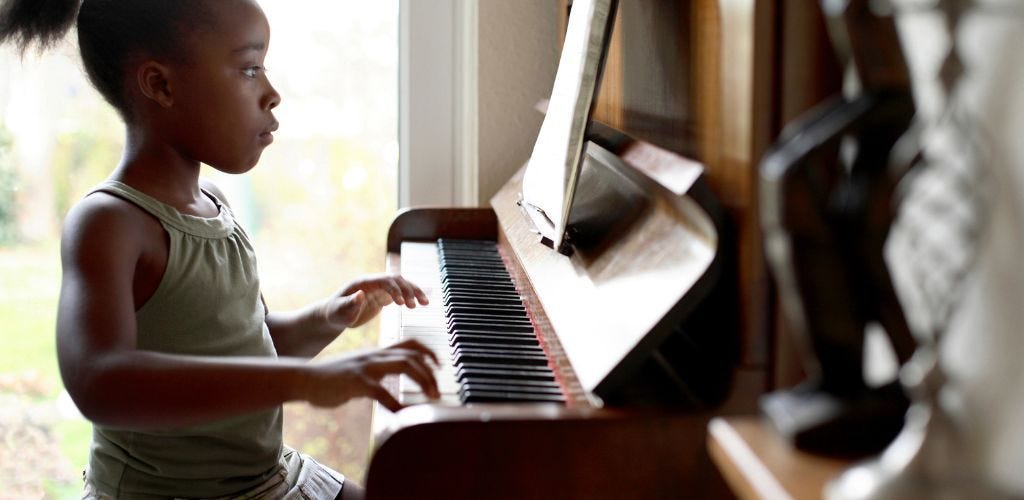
{"x": 317, "y": 208}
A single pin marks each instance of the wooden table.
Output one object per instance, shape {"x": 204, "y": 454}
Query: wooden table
{"x": 757, "y": 462}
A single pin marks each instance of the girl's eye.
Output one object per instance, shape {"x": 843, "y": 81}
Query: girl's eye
{"x": 253, "y": 71}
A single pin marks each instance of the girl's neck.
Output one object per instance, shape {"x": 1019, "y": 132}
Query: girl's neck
{"x": 161, "y": 171}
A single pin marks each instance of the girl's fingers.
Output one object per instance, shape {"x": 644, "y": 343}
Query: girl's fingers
{"x": 422, "y": 296}
{"x": 392, "y": 286}
{"x": 420, "y": 373}
{"x": 400, "y": 290}
{"x": 415, "y": 345}
{"x": 383, "y": 297}
{"x": 413, "y": 294}
{"x": 408, "y": 292}
{"x": 408, "y": 364}
{"x": 382, "y": 396}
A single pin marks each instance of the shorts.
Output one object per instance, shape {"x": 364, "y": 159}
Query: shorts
{"x": 298, "y": 477}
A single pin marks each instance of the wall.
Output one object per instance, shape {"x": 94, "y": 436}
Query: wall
{"x": 517, "y": 57}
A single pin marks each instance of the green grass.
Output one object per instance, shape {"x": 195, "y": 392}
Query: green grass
{"x": 29, "y": 286}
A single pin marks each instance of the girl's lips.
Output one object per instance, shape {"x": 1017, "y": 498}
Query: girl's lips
{"x": 268, "y": 135}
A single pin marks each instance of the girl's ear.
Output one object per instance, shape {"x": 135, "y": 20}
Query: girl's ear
{"x": 154, "y": 83}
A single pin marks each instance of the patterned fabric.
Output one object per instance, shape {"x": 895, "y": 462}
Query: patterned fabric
{"x": 298, "y": 477}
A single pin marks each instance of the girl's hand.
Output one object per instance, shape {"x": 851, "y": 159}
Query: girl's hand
{"x": 361, "y": 300}
{"x": 335, "y": 381}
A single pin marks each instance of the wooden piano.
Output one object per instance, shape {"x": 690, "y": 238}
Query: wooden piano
{"x": 673, "y": 281}
{"x": 624, "y": 410}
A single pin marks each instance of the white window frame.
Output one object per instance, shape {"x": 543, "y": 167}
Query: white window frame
{"x": 438, "y": 80}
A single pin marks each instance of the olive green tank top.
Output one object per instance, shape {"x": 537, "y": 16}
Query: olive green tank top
{"x": 207, "y": 303}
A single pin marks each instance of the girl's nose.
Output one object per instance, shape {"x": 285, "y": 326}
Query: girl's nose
{"x": 272, "y": 99}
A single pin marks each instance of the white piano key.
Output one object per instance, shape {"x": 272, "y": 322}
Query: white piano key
{"x": 426, "y": 323}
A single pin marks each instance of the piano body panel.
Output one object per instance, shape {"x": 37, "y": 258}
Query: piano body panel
{"x": 649, "y": 277}
{"x": 542, "y": 451}
{"x": 431, "y": 223}
{"x": 628, "y": 298}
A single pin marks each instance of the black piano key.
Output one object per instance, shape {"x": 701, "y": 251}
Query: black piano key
{"x": 474, "y": 278}
{"x": 500, "y": 386}
{"x": 483, "y": 317}
{"x": 488, "y": 265}
{"x": 501, "y": 358}
{"x": 456, "y": 338}
{"x": 454, "y": 266}
{"x": 482, "y": 340}
{"x": 473, "y": 272}
{"x": 483, "y": 305}
{"x": 518, "y": 383}
{"x": 464, "y": 338}
{"x": 461, "y": 294}
{"x": 485, "y": 330}
{"x": 506, "y": 374}
{"x": 462, "y": 350}
{"x": 495, "y": 311}
{"x": 477, "y": 284}
{"x": 509, "y": 327}
{"x": 470, "y": 293}
{"x": 463, "y": 330}
{"x": 470, "y": 319}
{"x": 476, "y": 253}
{"x": 466, "y": 306}
{"x": 477, "y": 280}
{"x": 474, "y": 367}
{"x": 449, "y": 264}
{"x": 466, "y": 243}
{"x": 494, "y": 344}
{"x": 500, "y": 300}
{"x": 479, "y": 300}
{"x": 474, "y": 328}
{"x": 496, "y": 396}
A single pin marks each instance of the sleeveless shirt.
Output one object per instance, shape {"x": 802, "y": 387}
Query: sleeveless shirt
{"x": 207, "y": 303}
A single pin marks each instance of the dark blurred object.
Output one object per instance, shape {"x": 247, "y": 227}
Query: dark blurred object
{"x": 827, "y": 205}
{"x": 939, "y": 240}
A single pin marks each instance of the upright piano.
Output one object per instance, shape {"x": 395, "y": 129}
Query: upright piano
{"x": 590, "y": 375}
{"x": 584, "y": 334}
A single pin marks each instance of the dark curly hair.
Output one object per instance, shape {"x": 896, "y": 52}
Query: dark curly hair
{"x": 110, "y": 33}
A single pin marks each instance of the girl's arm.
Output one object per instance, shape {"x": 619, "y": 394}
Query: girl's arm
{"x": 115, "y": 384}
{"x": 307, "y": 331}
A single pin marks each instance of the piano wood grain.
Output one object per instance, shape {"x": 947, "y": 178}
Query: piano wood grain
{"x": 542, "y": 451}
{"x": 579, "y": 450}
{"x": 431, "y": 223}
{"x": 627, "y": 298}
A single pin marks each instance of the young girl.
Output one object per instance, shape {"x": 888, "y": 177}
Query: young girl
{"x": 164, "y": 341}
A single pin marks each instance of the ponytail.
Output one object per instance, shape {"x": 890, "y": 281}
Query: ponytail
{"x": 44, "y": 21}
{"x": 109, "y": 32}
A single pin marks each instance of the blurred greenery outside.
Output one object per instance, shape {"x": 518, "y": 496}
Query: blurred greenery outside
{"x": 317, "y": 207}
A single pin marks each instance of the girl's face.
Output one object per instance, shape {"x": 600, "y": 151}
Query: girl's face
{"x": 223, "y": 100}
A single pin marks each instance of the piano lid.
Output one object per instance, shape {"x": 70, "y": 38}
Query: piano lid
{"x": 549, "y": 182}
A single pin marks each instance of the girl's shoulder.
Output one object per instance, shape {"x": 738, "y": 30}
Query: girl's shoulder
{"x": 104, "y": 222}
{"x": 103, "y": 208}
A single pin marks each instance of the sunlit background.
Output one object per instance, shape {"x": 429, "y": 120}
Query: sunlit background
{"x": 317, "y": 207}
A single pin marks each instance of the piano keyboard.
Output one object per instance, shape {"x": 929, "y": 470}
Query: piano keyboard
{"x": 476, "y": 324}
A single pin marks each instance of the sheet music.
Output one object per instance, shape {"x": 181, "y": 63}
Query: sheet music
{"x": 550, "y": 178}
